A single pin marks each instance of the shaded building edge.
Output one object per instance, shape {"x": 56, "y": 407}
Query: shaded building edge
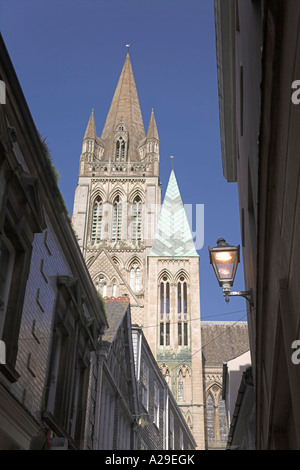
{"x": 259, "y": 117}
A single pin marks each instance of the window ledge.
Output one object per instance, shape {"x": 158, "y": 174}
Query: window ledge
{"x": 56, "y": 427}
{"x": 9, "y": 372}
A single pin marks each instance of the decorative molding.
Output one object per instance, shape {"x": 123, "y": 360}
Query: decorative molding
{"x": 119, "y": 180}
{"x": 124, "y": 299}
{"x": 213, "y": 377}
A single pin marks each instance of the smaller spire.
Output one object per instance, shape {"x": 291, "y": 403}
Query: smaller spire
{"x": 152, "y": 129}
{"x": 90, "y": 132}
{"x": 173, "y": 237}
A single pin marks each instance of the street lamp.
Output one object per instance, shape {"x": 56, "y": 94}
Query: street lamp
{"x": 224, "y": 259}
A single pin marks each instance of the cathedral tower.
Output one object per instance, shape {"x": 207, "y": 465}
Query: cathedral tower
{"x": 175, "y": 337}
{"x": 118, "y": 196}
{"x": 134, "y": 246}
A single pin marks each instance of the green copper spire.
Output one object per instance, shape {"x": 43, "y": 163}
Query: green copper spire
{"x": 173, "y": 234}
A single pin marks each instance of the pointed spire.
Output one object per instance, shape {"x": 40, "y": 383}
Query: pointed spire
{"x": 125, "y": 106}
{"x": 152, "y": 129}
{"x": 173, "y": 234}
{"x": 91, "y": 128}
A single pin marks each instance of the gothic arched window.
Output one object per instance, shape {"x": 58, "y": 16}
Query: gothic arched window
{"x": 97, "y": 220}
{"x": 120, "y": 155}
{"x": 216, "y": 415}
{"x": 135, "y": 276}
{"x": 101, "y": 285}
{"x": 210, "y": 419}
{"x": 182, "y": 308}
{"x": 180, "y": 386}
{"x": 182, "y": 297}
{"x": 114, "y": 288}
{"x": 137, "y": 208}
{"x": 164, "y": 296}
{"x": 117, "y": 219}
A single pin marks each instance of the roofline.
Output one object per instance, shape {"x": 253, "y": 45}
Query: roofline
{"x": 52, "y": 201}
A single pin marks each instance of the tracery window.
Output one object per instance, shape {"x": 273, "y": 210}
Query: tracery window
{"x": 117, "y": 219}
{"x": 215, "y": 416}
{"x": 97, "y": 220}
{"x": 137, "y": 208}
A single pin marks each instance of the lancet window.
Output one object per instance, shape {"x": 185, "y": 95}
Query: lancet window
{"x": 114, "y": 288}
{"x": 182, "y": 309}
{"x": 137, "y": 208}
{"x": 97, "y": 220}
{"x": 164, "y": 295}
{"x": 101, "y": 285}
{"x": 135, "y": 276}
{"x": 120, "y": 155}
{"x": 117, "y": 219}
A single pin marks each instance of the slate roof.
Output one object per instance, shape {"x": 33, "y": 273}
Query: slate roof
{"x": 115, "y": 312}
{"x": 223, "y": 341}
{"x": 173, "y": 234}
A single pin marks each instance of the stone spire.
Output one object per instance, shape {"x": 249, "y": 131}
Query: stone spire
{"x": 152, "y": 129}
{"x": 90, "y": 132}
{"x": 173, "y": 234}
{"x": 125, "y": 109}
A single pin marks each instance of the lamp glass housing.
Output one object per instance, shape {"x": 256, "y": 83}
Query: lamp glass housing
{"x": 224, "y": 259}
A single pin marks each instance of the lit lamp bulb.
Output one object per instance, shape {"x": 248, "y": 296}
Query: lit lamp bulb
{"x": 223, "y": 256}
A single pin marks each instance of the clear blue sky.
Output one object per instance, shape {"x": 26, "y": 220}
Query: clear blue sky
{"x": 68, "y": 55}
